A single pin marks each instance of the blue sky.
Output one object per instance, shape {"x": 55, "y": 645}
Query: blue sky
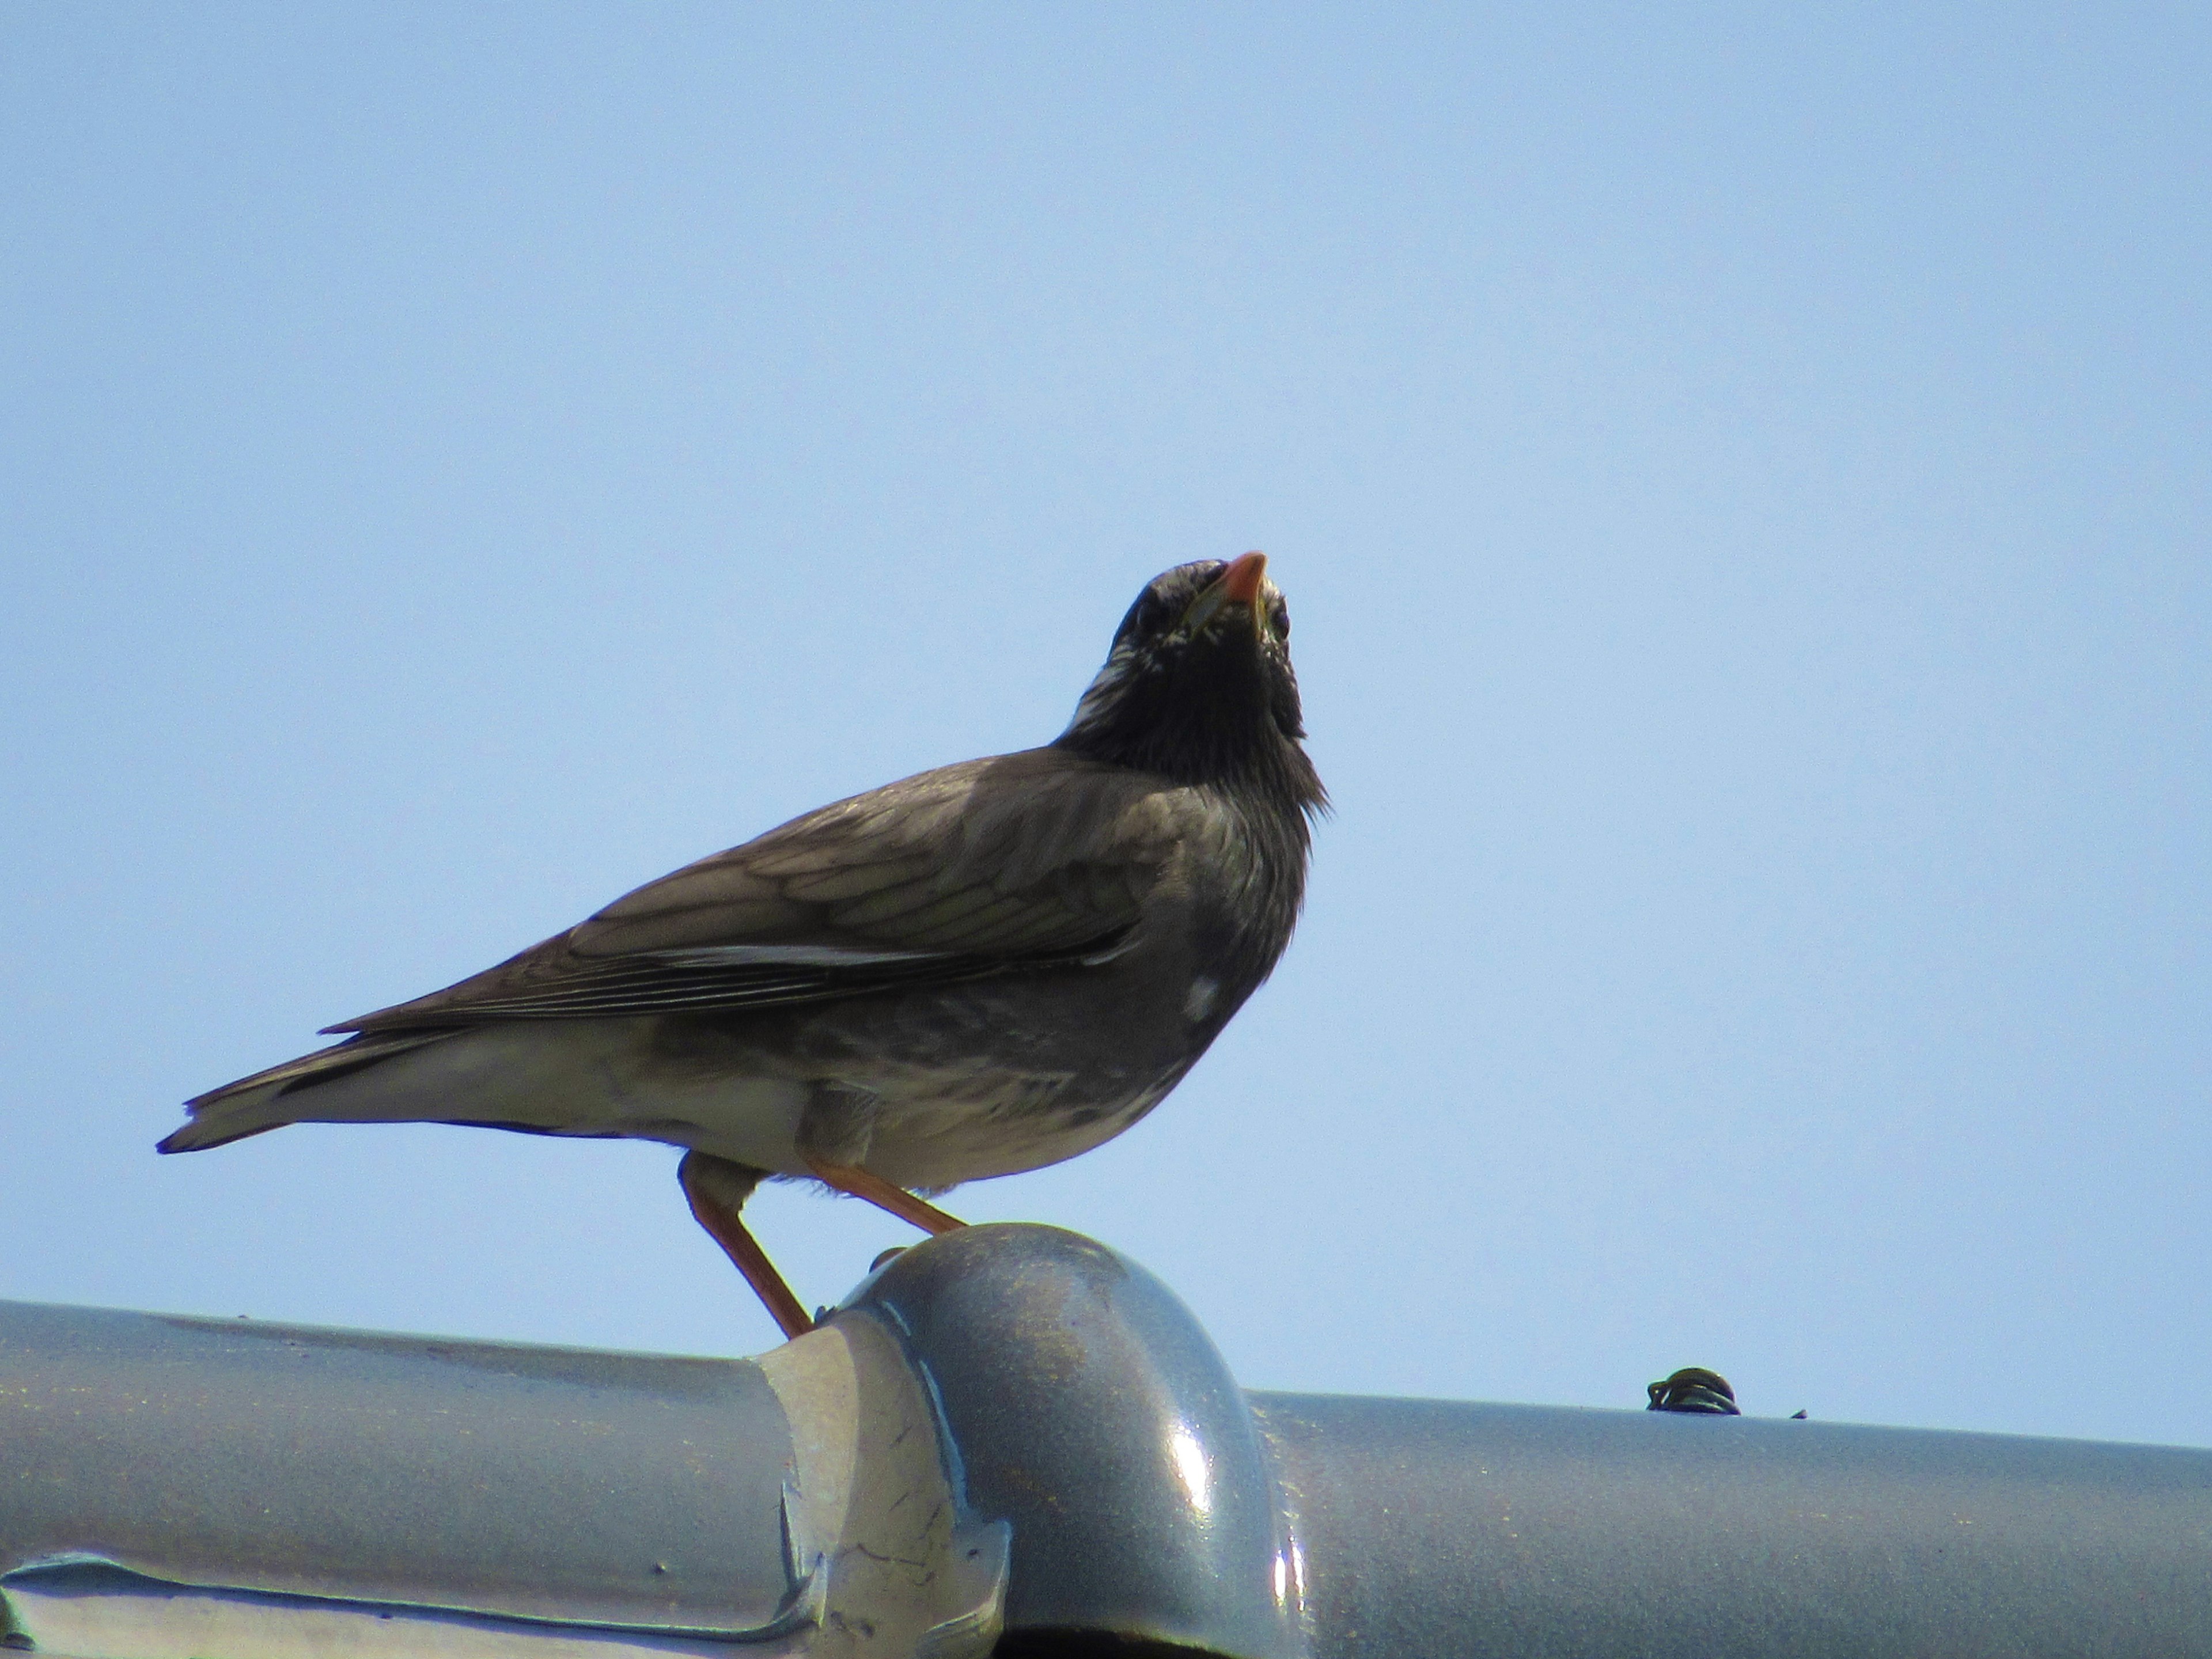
{"x": 1740, "y": 480}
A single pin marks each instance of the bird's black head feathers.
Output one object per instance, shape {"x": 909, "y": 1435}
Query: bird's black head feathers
{"x": 1199, "y": 686}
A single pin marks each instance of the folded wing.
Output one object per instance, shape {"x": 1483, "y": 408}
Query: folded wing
{"x": 1022, "y": 863}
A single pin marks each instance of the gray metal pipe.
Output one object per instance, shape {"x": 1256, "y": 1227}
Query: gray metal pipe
{"x": 1012, "y": 1437}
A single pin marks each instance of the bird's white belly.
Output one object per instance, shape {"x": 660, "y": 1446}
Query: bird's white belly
{"x": 927, "y": 1127}
{"x": 997, "y": 1126}
{"x": 584, "y": 1078}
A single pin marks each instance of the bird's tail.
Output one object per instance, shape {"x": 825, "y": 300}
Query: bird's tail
{"x": 255, "y": 1104}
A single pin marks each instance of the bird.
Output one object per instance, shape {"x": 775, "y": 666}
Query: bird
{"x": 979, "y": 971}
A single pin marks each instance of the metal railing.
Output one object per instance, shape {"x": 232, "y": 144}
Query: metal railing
{"x": 1010, "y": 1437}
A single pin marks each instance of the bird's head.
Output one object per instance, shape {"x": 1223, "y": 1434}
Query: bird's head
{"x": 1199, "y": 685}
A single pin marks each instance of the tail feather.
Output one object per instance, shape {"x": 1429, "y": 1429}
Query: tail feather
{"x": 253, "y": 1105}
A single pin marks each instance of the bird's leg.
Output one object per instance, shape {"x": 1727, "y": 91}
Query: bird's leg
{"x": 856, "y": 1182}
{"x": 835, "y": 1130}
{"x": 716, "y": 1189}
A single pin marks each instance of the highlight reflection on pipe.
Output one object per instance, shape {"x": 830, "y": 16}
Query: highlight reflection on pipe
{"x": 1191, "y": 1468}
{"x": 1290, "y": 1579}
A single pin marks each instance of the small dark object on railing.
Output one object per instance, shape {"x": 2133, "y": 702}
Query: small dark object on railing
{"x": 1694, "y": 1388}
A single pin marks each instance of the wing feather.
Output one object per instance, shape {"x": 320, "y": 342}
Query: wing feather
{"x": 1035, "y": 860}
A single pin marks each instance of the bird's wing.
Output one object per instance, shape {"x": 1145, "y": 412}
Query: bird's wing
{"x": 1023, "y": 862}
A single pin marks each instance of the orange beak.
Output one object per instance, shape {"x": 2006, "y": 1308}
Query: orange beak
{"x": 1238, "y": 583}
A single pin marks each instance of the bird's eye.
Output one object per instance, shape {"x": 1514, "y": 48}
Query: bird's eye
{"x": 1147, "y": 617}
{"x": 1278, "y": 619}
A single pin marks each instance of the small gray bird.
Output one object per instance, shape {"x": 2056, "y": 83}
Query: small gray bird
{"x": 979, "y": 971}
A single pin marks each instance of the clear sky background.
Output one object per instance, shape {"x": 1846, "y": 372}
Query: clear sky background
{"x": 1741, "y": 481}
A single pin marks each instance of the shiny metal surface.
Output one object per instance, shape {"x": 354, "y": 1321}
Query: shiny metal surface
{"x": 1012, "y": 1437}
{"x": 537, "y": 1483}
{"x": 1541, "y": 1533}
{"x": 1086, "y": 1407}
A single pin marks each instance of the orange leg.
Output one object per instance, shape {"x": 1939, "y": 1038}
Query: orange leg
{"x": 716, "y": 1188}
{"x": 851, "y": 1179}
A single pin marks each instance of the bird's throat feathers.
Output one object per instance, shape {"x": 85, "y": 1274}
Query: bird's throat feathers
{"x": 1232, "y": 744}
{"x": 1220, "y": 709}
